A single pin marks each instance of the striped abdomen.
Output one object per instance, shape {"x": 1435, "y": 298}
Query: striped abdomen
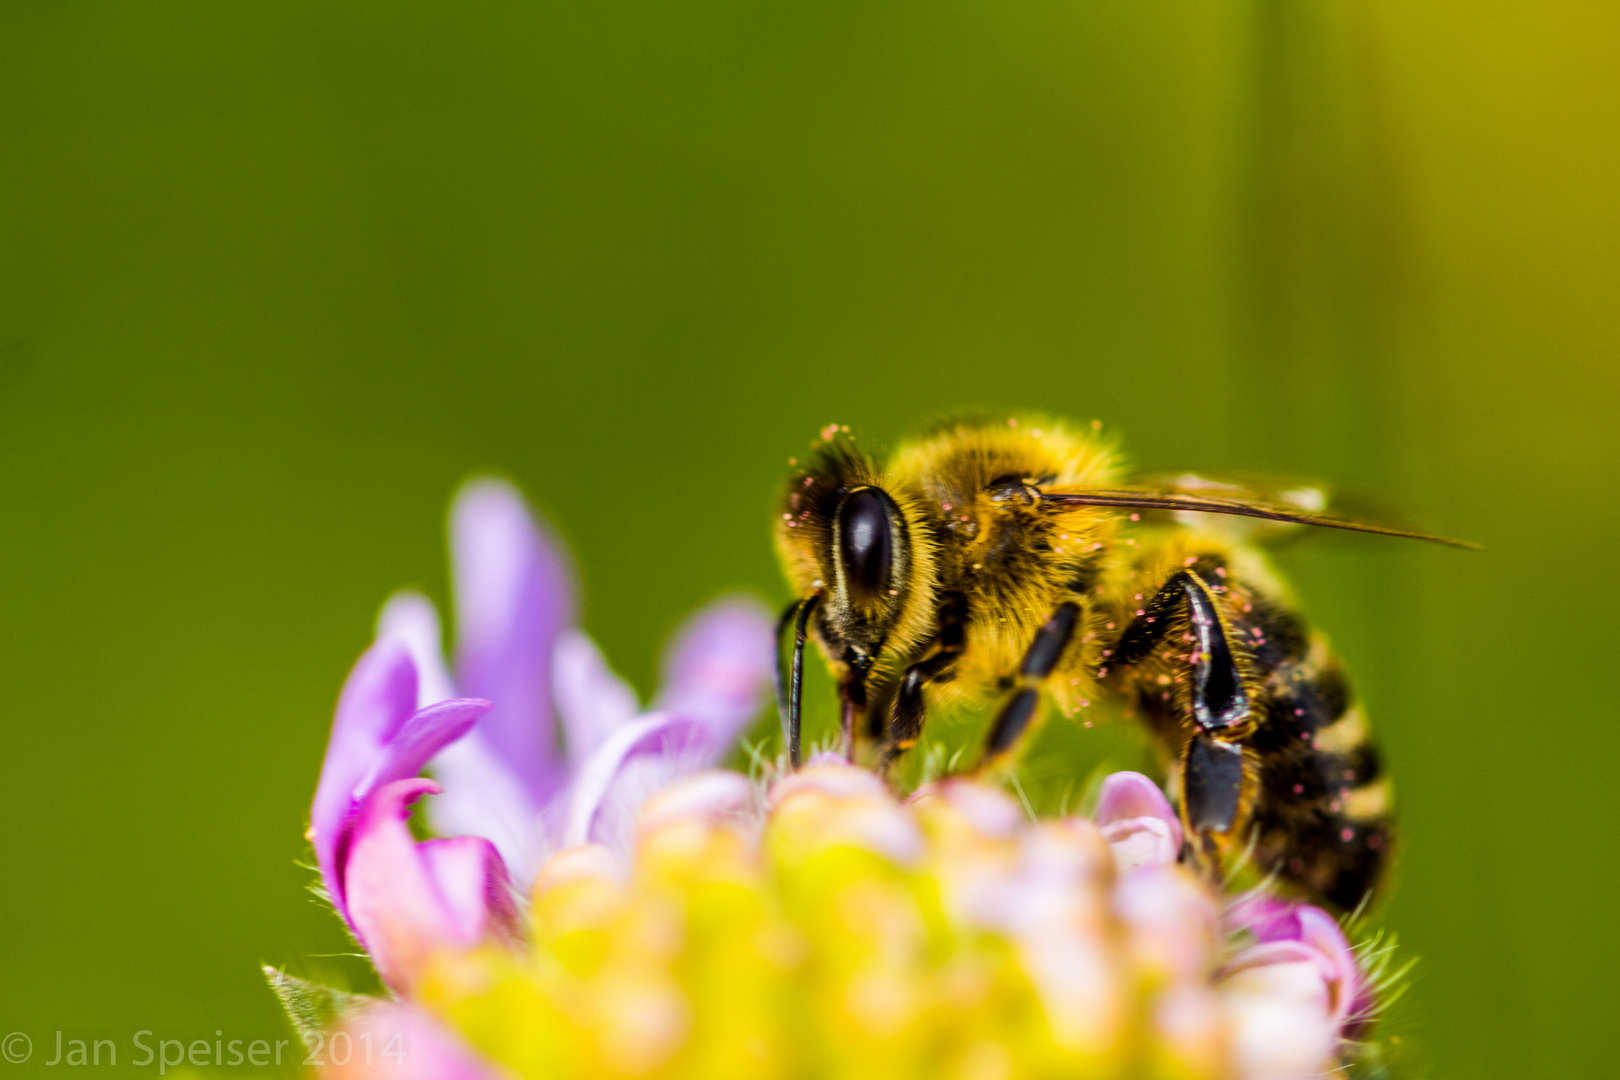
{"x": 1322, "y": 812}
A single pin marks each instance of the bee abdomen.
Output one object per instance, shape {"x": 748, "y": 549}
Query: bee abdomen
{"x": 1323, "y": 809}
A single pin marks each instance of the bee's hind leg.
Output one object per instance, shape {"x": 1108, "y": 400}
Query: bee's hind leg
{"x": 1040, "y": 659}
{"x": 1212, "y": 764}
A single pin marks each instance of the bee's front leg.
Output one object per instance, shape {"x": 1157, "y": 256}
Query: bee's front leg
{"x": 790, "y": 680}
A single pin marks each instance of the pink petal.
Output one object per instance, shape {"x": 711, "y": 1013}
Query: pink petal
{"x": 1279, "y": 1013}
{"x": 1172, "y": 922}
{"x": 1138, "y": 822}
{"x": 404, "y": 1043}
{"x": 1265, "y": 916}
{"x": 471, "y": 879}
{"x": 378, "y": 697}
{"x": 1274, "y": 921}
{"x": 719, "y": 666}
{"x": 1321, "y": 932}
{"x": 1292, "y": 993}
{"x": 709, "y": 795}
{"x": 513, "y": 592}
{"x": 593, "y": 701}
{"x": 406, "y": 904}
{"x": 411, "y": 619}
{"x": 989, "y": 810}
{"x": 834, "y": 803}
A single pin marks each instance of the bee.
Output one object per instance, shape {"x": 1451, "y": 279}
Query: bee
{"x": 1009, "y": 562}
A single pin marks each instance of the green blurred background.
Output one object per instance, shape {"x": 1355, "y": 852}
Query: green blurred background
{"x": 275, "y": 277}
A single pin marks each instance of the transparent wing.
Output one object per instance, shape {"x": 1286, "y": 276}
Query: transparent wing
{"x": 1235, "y": 502}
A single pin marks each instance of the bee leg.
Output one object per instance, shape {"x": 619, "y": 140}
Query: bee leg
{"x": 1212, "y": 764}
{"x": 852, "y": 703}
{"x": 1040, "y": 659}
{"x": 910, "y": 707}
{"x": 790, "y": 687}
{"x": 789, "y": 613}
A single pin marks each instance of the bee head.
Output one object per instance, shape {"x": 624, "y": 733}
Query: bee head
{"x": 851, "y": 538}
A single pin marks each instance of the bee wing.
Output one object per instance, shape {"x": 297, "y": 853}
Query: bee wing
{"x": 1236, "y": 505}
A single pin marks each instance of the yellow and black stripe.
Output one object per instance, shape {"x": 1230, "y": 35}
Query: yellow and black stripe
{"x": 1322, "y": 813}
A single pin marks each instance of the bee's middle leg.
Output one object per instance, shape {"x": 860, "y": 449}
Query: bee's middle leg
{"x": 1039, "y": 661}
{"x": 910, "y": 707}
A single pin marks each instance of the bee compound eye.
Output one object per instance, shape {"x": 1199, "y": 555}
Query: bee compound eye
{"x": 866, "y": 539}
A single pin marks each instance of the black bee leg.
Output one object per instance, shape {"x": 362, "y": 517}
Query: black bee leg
{"x": 1212, "y": 779}
{"x": 910, "y": 707}
{"x": 1212, "y": 765}
{"x": 1040, "y": 659}
{"x": 789, "y": 613}
{"x": 790, "y": 689}
{"x": 852, "y": 703}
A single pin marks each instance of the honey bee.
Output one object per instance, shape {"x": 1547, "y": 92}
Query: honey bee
{"x": 1008, "y": 561}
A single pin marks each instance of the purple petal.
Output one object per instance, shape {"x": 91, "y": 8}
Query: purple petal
{"x": 378, "y": 698}
{"x": 630, "y": 766}
{"x": 411, "y": 619}
{"x": 1138, "y": 822}
{"x": 592, "y": 700}
{"x": 719, "y": 665}
{"x": 427, "y": 732}
{"x": 513, "y": 597}
{"x": 482, "y": 797}
{"x": 410, "y": 1044}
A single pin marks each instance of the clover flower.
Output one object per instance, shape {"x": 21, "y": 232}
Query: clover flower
{"x": 611, "y": 904}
